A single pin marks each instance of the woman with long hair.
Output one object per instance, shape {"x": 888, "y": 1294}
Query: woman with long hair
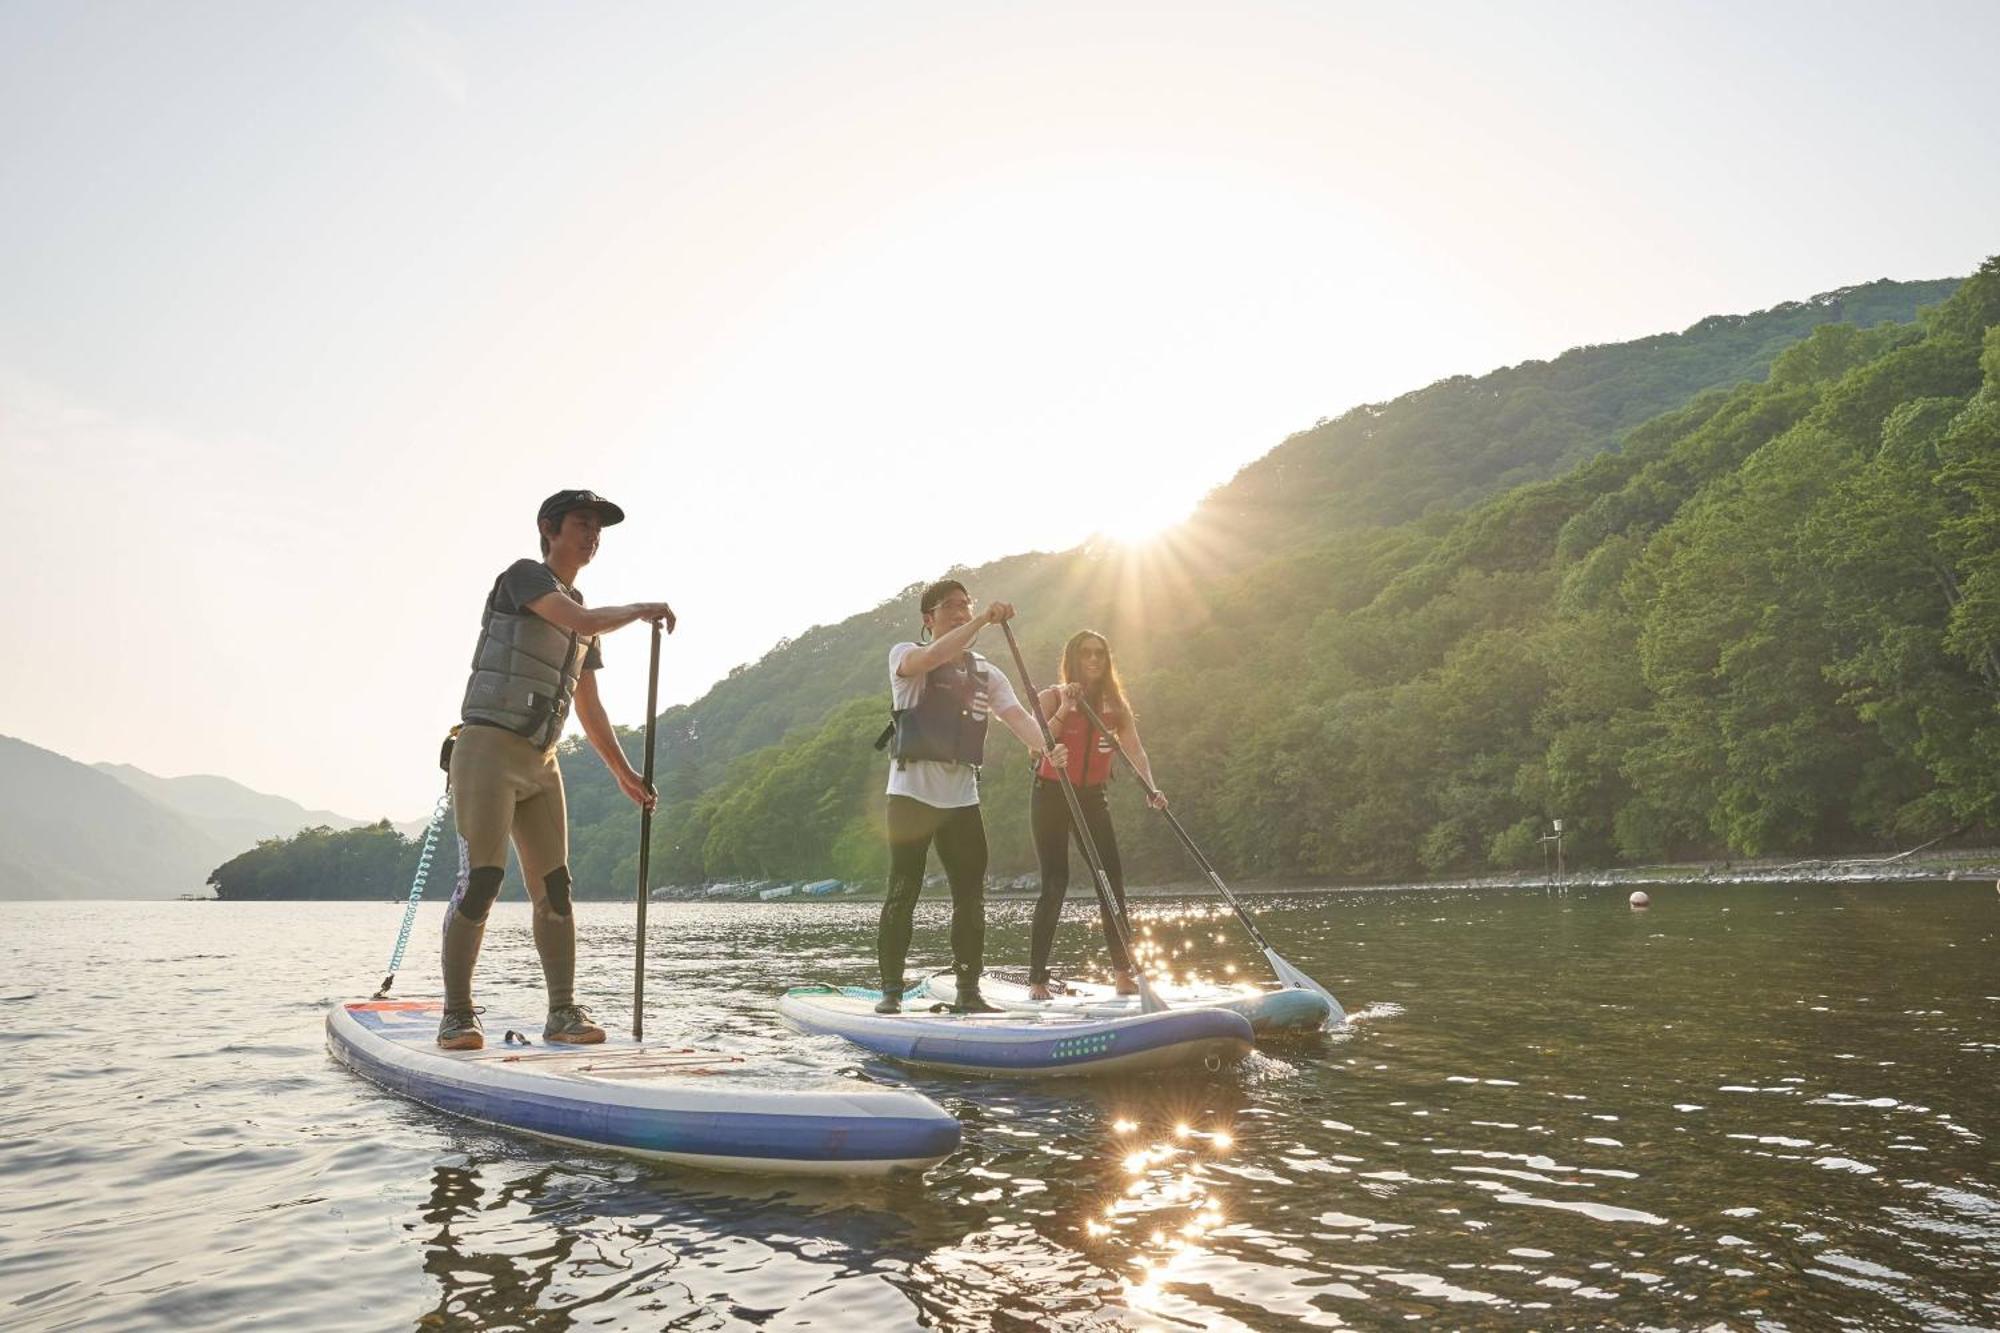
{"x": 1088, "y": 676}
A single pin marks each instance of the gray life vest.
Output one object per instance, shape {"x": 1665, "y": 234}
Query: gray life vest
{"x": 524, "y": 673}
{"x": 948, "y": 723}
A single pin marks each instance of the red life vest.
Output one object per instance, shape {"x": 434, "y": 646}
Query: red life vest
{"x": 1090, "y": 753}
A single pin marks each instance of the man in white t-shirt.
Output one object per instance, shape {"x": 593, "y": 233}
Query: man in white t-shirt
{"x": 942, "y": 694}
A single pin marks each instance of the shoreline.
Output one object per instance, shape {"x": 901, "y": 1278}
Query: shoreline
{"x": 1982, "y": 864}
{"x": 1973, "y": 865}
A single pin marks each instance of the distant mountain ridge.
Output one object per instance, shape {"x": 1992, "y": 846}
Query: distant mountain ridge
{"x": 235, "y": 815}
{"x": 75, "y": 830}
{"x": 70, "y": 831}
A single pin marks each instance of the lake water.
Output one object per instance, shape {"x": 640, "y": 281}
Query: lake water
{"x": 1764, "y": 1107}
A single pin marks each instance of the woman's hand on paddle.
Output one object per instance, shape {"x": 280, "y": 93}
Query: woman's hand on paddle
{"x": 1071, "y": 692}
{"x": 635, "y": 788}
{"x": 1058, "y": 757}
{"x": 657, "y": 612}
{"x": 1158, "y": 800}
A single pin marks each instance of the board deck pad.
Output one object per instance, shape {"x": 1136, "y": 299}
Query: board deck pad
{"x": 1020, "y": 1045}
{"x": 1272, "y": 1010}
{"x": 669, "y": 1103}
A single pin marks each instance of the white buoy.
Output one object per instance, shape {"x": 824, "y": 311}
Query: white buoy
{"x": 1639, "y": 899}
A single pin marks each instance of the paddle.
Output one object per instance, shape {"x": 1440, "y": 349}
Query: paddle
{"x": 1149, "y": 999}
{"x": 1287, "y": 973}
{"x": 645, "y": 845}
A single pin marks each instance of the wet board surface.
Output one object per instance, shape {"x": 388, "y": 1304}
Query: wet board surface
{"x": 694, "y": 1108}
{"x": 1272, "y": 1010}
{"x": 1017, "y": 1045}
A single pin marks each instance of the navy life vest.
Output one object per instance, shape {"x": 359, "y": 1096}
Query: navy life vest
{"x": 948, "y": 724}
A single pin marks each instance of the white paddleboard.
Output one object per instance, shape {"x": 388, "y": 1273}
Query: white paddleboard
{"x": 692, "y": 1108}
{"x": 1272, "y": 1010}
{"x": 1011, "y": 1045}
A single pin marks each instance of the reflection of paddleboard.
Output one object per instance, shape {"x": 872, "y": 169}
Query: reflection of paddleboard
{"x": 1021, "y": 1045}
{"x": 1286, "y": 1009}
{"x": 694, "y": 1108}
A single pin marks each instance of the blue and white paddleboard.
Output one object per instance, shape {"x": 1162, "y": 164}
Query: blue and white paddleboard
{"x": 1273, "y": 1010}
{"x": 1020, "y": 1045}
{"x": 693, "y": 1108}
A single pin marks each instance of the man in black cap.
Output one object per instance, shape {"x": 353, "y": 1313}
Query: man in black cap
{"x": 538, "y": 654}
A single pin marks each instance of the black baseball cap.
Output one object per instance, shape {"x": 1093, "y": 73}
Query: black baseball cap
{"x": 562, "y": 502}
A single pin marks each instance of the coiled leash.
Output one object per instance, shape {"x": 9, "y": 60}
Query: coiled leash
{"x": 423, "y": 870}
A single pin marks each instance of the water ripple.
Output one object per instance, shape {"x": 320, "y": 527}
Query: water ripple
{"x": 1750, "y": 1106}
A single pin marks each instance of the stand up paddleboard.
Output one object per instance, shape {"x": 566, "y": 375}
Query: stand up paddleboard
{"x": 692, "y": 1108}
{"x": 1020, "y": 1045}
{"x": 1272, "y": 1011}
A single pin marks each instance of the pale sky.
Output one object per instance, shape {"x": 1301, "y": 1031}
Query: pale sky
{"x": 306, "y": 307}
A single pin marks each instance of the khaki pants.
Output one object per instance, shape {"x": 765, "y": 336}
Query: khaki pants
{"x": 502, "y": 784}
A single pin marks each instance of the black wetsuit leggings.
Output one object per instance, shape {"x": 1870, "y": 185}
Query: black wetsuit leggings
{"x": 960, "y": 835}
{"x": 1052, "y": 838}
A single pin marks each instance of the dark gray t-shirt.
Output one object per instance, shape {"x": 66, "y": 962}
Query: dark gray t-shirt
{"x": 526, "y": 580}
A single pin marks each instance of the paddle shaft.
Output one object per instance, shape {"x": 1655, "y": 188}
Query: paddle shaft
{"x": 645, "y": 845}
{"x": 1187, "y": 841}
{"x": 1149, "y": 1000}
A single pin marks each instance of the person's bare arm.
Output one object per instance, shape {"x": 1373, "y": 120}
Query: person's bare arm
{"x": 1022, "y": 723}
{"x": 597, "y": 730}
{"x": 1056, "y": 706}
{"x": 1128, "y": 736}
{"x": 930, "y": 656}
{"x": 565, "y": 612}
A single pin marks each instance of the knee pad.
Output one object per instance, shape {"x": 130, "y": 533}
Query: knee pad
{"x": 482, "y": 886}
{"x": 556, "y": 882}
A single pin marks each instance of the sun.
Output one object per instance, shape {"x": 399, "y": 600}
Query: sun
{"x": 1139, "y": 517}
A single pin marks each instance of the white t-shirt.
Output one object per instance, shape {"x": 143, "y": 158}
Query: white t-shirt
{"x": 932, "y": 781}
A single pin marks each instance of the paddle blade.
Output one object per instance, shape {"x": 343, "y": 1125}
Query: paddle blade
{"x": 1291, "y": 976}
{"x": 1149, "y": 999}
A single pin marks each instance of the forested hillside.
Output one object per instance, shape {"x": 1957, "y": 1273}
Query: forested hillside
{"x": 1712, "y": 611}
{"x": 372, "y": 861}
{"x": 1463, "y": 439}
{"x": 1447, "y": 445}
{"x": 1767, "y": 625}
